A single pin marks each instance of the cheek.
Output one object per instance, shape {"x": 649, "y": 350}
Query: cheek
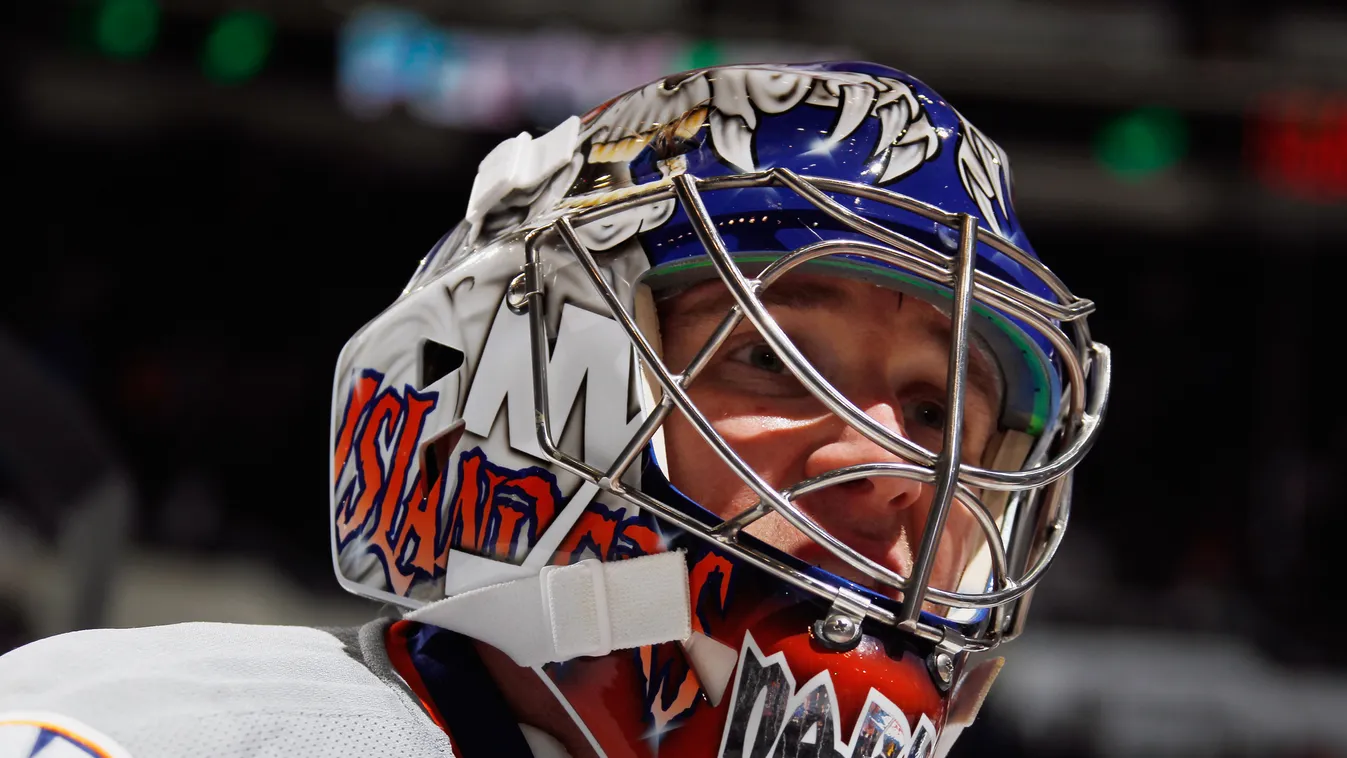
{"x": 961, "y": 539}
{"x": 774, "y": 447}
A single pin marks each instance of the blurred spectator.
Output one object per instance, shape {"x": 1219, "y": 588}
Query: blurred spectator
{"x": 70, "y": 484}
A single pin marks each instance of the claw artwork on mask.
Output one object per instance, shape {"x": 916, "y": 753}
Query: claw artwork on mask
{"x": 739, "y": 410}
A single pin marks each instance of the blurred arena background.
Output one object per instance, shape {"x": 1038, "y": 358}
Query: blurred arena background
{"x": 209, "y": 196}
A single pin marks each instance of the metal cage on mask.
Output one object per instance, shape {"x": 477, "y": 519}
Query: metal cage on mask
{"x": 1038, "y": 495}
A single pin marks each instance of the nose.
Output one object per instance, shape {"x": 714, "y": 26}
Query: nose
{"x": 864, "y": 500}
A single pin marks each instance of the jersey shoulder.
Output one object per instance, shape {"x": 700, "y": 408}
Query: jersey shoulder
{"x": 211, "y": 689}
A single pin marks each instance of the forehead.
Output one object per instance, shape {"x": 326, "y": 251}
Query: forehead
{"x": 906, "y": 320}
{"x": 711, "y": 299}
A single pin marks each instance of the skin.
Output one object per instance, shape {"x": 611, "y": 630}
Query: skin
{"x": 888, "y": 354}
{"x": 787, "y": 435}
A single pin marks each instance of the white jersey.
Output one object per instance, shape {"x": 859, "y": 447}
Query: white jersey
{"x": 208, "y": 690}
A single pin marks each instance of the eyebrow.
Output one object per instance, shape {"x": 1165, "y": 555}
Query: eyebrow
{"x": 983, "y": 375}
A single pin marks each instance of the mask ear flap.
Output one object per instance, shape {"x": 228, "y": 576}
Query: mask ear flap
{"x": 969, "y": 694}
{"x": 651, "y": 393}
{"x": 1007, "y": 451}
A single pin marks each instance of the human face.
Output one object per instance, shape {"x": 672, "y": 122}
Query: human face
{"x": 889, "y": 355}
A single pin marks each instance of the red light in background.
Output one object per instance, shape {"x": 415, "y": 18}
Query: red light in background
{"x": 1298, "y": 145}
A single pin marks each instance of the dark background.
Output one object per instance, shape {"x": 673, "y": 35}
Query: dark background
{"x": 208, "y": 197}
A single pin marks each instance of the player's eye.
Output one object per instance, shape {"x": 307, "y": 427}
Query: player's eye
{"x": 761, "y": 356}
{"x": 755, "y": 368}
{"x": 926, "y": 414}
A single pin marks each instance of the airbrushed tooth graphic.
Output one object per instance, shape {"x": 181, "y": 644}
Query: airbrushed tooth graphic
{"x": 622, "y": 130}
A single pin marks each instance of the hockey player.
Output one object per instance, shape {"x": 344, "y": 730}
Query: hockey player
{"x": 733, "y": 419}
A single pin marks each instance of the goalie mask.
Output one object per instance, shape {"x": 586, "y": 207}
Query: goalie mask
{"x": 502, "y": 435}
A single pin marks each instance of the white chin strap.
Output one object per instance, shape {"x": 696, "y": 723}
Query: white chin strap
{"x": 589, "y": 608}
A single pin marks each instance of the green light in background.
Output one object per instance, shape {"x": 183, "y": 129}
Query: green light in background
{"x": 238, "y": 46}
{"x": 126, "y": 28}
{"x": 701, "y": 54}
{"x": 1142, "y": 142}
